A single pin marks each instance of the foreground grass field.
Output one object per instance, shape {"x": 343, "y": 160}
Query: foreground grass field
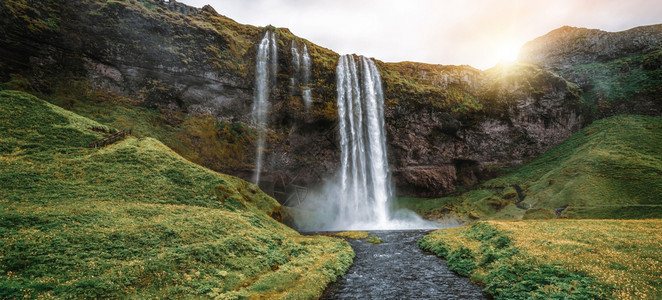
{"x": 135, "y": 219}
{"x": 580, "y": 259}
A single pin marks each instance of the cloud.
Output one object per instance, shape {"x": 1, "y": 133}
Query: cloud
{"x": 442, "y": 32}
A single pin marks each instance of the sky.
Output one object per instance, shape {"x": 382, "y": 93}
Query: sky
{"x": 480, "y": 33}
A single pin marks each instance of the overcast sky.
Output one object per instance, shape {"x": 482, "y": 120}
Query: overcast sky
{"x": 479, "y": 33}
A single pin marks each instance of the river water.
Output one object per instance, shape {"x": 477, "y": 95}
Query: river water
{"x": 398, "y": 269}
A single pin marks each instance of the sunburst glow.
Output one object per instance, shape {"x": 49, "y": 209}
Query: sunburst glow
{"x": 508, "y": 52}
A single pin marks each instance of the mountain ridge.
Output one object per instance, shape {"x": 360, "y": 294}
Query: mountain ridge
{"x": 568, "y": 46}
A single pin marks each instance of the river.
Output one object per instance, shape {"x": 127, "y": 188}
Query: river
{"x": 398, "y": 269}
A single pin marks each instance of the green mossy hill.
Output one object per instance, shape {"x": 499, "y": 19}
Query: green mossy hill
{"x": 556, "y": 259}
{"x": 610, "y": 169}
{"x": 134, "y": 219}
{"x": 224, "y": 146}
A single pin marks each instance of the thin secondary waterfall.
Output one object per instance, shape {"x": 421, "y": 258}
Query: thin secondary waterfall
{"x": 265, "y": 73}
{"x": 306, "y": 94}
{"x": 300, "y": 74}
{"x": 296, "y": 67}
{"x": 365, "y": 187}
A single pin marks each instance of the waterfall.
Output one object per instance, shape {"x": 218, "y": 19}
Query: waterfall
{"x": 300, "y": 74}
{"x": 359, "y": 196}
{"x": 273, "y": 48}
{"x": 265, "y": 72}
{"x": 307, "y": 97}
{"x": 365, "y": 187}
{"x": 296, "y": 67}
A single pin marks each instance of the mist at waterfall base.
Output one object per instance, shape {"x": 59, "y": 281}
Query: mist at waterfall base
{"x": 359, "y": 197}
{"x": 320, "y": 212}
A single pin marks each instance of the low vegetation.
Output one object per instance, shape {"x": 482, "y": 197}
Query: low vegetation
{"x": 374, "y": 239}
{"x": 556, "y": 259}
{"x": 419, "y": 85}
{"x": 620, "y": 82}
{"x": 610, "y": 169}
{"x": 433, "y": 208}
{"x": 353, "y": 235}
{"x": 134, "y": 219}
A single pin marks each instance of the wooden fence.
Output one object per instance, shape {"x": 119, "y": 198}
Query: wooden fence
{"x": 110, "y": 139}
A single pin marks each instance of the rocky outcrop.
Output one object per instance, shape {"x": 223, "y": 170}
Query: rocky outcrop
{"x": 447, "y": 126}
{"x": 524, "y": 112}
{"x": 618, "y": 72}
{"x": 569, "y": 46}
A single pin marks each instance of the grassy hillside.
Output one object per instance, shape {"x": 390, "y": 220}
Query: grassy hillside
{"x": 621, "y": 84}
{"x": 557, "y": 259}
{"x": 610, "y": 169}
{"x": 135, "y": 219}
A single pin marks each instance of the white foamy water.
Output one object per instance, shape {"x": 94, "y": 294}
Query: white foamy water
{"x": 360, "y": 196}
{"x": 265, "y": 72}
{"x": 306, "y": 94}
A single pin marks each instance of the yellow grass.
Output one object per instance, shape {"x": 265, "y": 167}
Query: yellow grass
{"x": 623, "y": 253}
{"x": 354, "y": 235}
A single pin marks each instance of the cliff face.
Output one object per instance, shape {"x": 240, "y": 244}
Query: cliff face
{"x": 194, "y": 70}
{"x": 618, "y": 72}
{"x": 568, "y": 46}
{"x": 506, "y": 115}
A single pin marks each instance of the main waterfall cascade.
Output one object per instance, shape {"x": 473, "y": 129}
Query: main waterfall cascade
{"x": 266, "y": 67}
{"x": 364, "y": 174}
{"x": 360, "y": 195}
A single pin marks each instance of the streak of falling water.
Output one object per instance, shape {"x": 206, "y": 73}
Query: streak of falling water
{"x": 273, "y": 49}
{"x": 265, "y": 72}
{"x": 307, "y": 97}
{"x": 296, "y": 66}
{"x": 364, "y": 176}
{"x": 359, "y": 197}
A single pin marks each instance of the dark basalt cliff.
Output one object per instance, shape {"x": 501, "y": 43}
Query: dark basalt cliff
{"x": 447, "y": 125}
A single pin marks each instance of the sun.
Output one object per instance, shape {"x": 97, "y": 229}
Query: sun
{"x": 508, "y": 52}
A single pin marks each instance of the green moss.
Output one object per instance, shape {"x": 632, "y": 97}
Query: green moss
{"x": 374, "y": 239}
{"x": 428, "y": 208}
{"x": 417, "y": 85}
{"x": 38, "y": 17}
{"x": 621, "y": 81}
